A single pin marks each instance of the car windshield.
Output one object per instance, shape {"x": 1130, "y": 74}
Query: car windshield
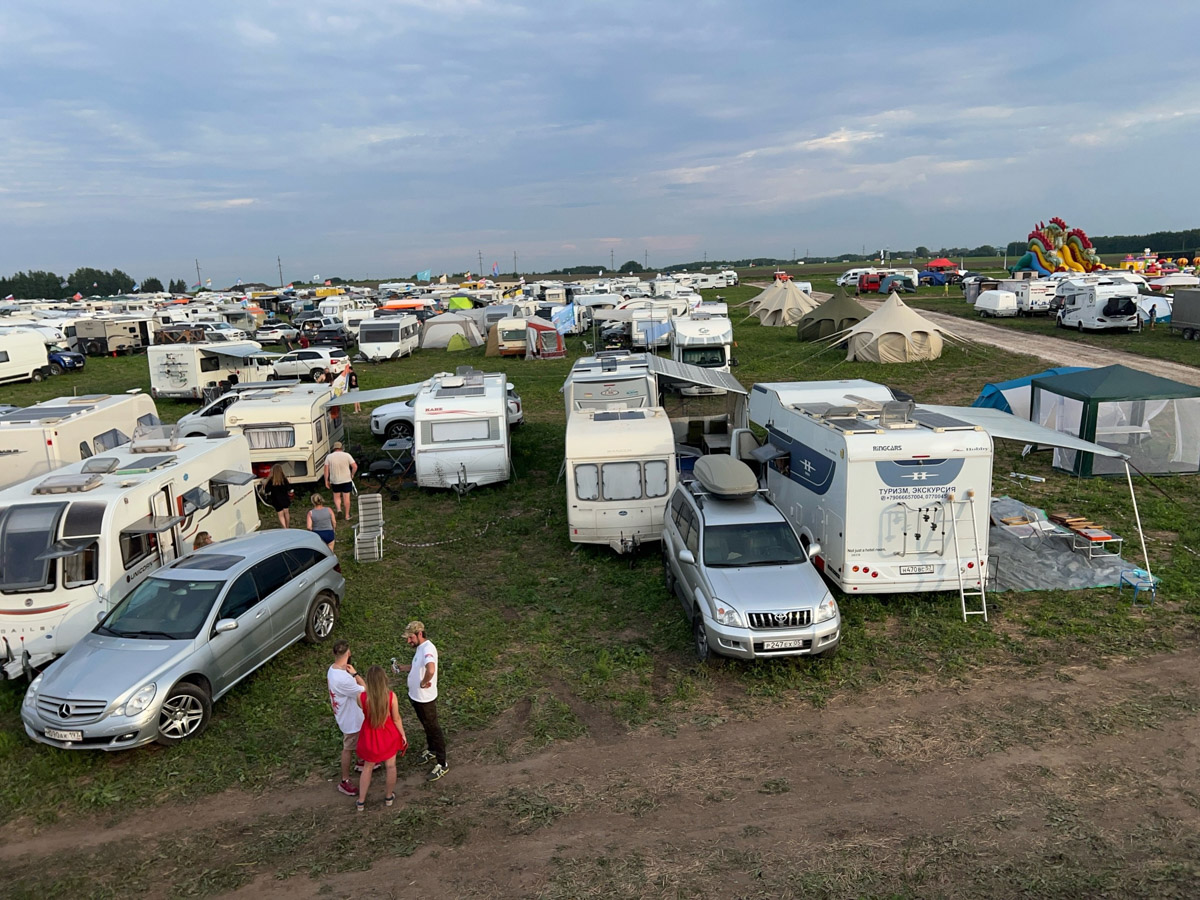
{"x": 758, "y": 544}
{"x": 174, "y": 609}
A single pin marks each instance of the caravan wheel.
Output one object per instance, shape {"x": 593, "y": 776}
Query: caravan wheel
{"x": 1079, "y": 326}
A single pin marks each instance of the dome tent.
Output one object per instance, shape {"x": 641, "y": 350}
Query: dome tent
{"x": 894, "y": 333}
{"x": 836, "y": 314}
{"x": 437, "y": 331}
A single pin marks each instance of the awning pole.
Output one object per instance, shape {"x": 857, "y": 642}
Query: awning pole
{"x": 1138, "y": 517}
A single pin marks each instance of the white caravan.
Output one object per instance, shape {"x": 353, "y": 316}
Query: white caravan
{"x": 185, "y": 370}
{"x": 1033, "y": 294}
{"x": 23, "y": 357}
{"x": 75, "y": 542}
{"x": 996, "y": 304}
{"x": 650, "y": 327}
{"x": 1101, "y": 304}
{"x": 460, "y": 425}
{"x": 610, "y": 381}
{"x": 620, "y": 469}
{"x": 899, "y": 499}
{"x": 389, "y": 337}
{"x": 291, "y": 426}
{"x": 702, "y": 339}
{"x": 40, "y": 438}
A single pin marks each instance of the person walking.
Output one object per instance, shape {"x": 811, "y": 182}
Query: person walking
{"x": 1153, "y": 316}
{"x": 345, "y": 687}
{"x": 340, "y": 469}
{"x": 352, "y": 384}
{"x": 382, "y": 735}
{"x": 422, "y": 693}
{"x": 321, "y": 520}
{"x": 280, "y": 494}
{"x": 304, "y": 341}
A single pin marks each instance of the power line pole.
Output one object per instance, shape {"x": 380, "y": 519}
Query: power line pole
{"x": 480, "y": 264}
{"x": 645, "y": 260}
{"x": 279, "y": 263}
{"x": 514, "y": 262}
{"x": 612, "y": 264}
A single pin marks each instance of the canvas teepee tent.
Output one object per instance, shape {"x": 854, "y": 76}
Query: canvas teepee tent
{"x": 834, "y": 315}
{"x": 894, "y": 333}
{"x": 781, "y": 304}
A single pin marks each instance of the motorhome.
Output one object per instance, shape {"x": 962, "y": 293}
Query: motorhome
{"x": 702, "y": 339}
{"x": 1033, "y": 294}
{"x": 185, "y": 370}
{"x": 340, "y": 307}
{"x": 390, "y": 337}
{"x": 620, "y": 469}
{"x": 730, "y": 277}
{"x": 23, "y": 357}
{"x": 48, "y": 435}
{"x": 1100, "y": 304}
{"x": 610, "y": 381}
{"x": 461, "y": 437}
{"x": 650, "y": 327}
{"x": 850, "y": 277}
{"x": 102, "y": 335}
{"x": 898, "y": 498}
{"x": 291, "y": 426}
{"x": 76, "y": 541}
{"x": 511, "y": 338}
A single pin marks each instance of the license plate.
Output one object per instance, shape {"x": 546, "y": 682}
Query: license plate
{"x": 55, "y": 734}
{"x": 782, "y": 645}
{"x": 916, "y": 570}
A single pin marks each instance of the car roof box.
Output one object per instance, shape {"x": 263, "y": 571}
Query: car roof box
{"x": 725, "y": 477}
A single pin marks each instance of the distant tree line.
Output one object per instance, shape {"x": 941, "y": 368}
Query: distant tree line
{"x": 38, "y": 285}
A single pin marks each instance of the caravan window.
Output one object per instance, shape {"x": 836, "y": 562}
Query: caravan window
{"x": 84, "y": 450}
{"x": 622, "y": 481}
{"x": 275, "y": 438}
{"x": 135, "y": 548}
{"x": 3, "y": 356}
{"x": 26, "y": 532}
{"x": 656, "y": 478}
{"x": 219, "y": 494}
{"x": 109, "y": 439}
{"x": 461, "y": 430}
{"x": 319, "y": 422}
{"x": 378, "y": 334}
{"x": 587, "y": 482}
{"x": 148, "y": 420}
{"x": 195, "y": 500}
{"x": 82, "y": 568}
{"x": 208, "y": 364}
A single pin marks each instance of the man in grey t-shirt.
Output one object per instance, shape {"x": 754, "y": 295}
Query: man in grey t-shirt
{"x": 340, "y": 468}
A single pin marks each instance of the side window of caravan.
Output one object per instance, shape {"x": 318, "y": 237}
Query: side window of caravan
{"x": 26, "y": 534}
{"x": 109, "y": 439}
{"x": 84, "y": 450}
{"x": 3, "y": 356}
{"x": 271, "y": 438}
{"x": 587, "y": 482}
{"x": 464, "y": 430}
{"x": 319, "y": 424}
{"x": 208, "y": 364}
{"x": 621, "y": 481}
{"x": 219, "y": 494}
{"x": 135, "y": 548}
{"x": 195, "y": 500}
{"x": 82, "y": 568}
{"x": 656, "y": 478}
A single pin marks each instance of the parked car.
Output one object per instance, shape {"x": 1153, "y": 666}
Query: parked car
{"x": 151, "y": 670}
{"x": 276, "y": 333}
{"x": 309, "y": 363}
{"x": 221, "y": 331}
{"x": 64, "y": 360}
{"x": 395, "y": 420}
{"x": 745, "y": 581}
{"x": 312, "y": 324}
{"x": 336, "y": 335}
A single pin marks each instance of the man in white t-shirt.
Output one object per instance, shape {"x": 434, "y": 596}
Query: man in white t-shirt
{"x": 345, "y": 685}
{"x": 422, "y": 693}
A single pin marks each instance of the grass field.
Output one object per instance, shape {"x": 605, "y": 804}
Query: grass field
{"x": 577, "y": 636}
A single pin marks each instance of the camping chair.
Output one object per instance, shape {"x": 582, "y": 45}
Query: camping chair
{"x": 368, "y": 530}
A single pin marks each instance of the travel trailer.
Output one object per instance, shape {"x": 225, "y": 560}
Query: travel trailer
{"x": 511, "y": 339}
{"x": 994, "y": 304}
{"x": 390, "y": 337}
{"x": 1100, "y": 304}
{"x": 461, "y": 437}
{"x": 100, "y": 336}
{"x": 23, "y": 357}
{"x": 185, "y": 370}
{"x": 898, "y": 498}
{"x": 40, "y": 438}
{"x": 1033, "y": 294}
{"x": 291, "y": 426}
{"x": 650, "y": 327}
{"x": 705, "y": 340}
{"x": 76, "y": 541}
{"x": 610, "y": 381}
{"x": 620, "y": 469}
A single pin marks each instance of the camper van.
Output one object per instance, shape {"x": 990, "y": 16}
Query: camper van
{"x": 40, "y": 438}
{"x": 1101, "y": 304}
{"x": 610, "y": 381}
{"x": 76, "y": 541}
{"x": 23, "y": 357}
{"x": 898, "y": 498}
{"x": 390, "y": 337}
{"x": 850, "y": 277}
{"x": 185, "y": 370}
{"x": 290, "y": 426}
{"x": 995, "y": 304}
{"x": 461, "y": 437}
{"x": 704, "y": 340}
{"x": 729, "y": 277}
{"x": 620, "y": 469}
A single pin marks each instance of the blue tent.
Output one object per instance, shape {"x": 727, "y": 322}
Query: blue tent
{"x": 931, "y": 277}
{"x": 1013, "y": 396}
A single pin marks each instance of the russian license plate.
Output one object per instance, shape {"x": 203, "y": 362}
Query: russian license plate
{"x": 782, "y": 645}
{"x": 916, "y": 570}
{"x": 55, "y": 734}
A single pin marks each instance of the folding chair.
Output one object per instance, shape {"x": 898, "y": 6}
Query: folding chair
{"x": 368, "y": 530}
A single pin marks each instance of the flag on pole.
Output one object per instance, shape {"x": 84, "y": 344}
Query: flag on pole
{"x": 78, "y": 296}
{"x": 495, "y": 269}
{"x": 328, "y": 283}
{"x": 10, "y": 297}
{"x": 136, "y": 288}
{"x": 289, "y": 287}
{"x": 208, "y": 282}
{"x": 196, "y": 285}
{"x": 423, "y": 276}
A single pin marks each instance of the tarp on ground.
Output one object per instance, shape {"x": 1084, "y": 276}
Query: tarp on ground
{"x": 834, "y": 315}
{"x": 894, "y": 333}
{"x": 1014, "y": 396}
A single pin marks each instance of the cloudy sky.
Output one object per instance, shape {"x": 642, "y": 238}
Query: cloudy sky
{"x": 385, "y": 137}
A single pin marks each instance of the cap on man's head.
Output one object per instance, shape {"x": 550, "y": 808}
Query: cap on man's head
{"x": 414, "y": 628}
{"x": 337, "y": 445}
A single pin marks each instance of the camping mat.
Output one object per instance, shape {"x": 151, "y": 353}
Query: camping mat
{"x": 1043, "y": 562}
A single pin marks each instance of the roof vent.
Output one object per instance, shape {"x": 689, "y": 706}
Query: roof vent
{"x": 155, "y": 439}
{"x": 68, "y": 484}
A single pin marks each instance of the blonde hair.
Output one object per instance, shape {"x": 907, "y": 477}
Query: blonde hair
{"x": 379, "y": 696}
{"x": 318, "y": 500}
{"x": 277, "y": 476}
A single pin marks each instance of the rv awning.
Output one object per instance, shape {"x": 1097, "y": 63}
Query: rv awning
{"x": 1000, "y": 424}
{"x": 232, "y": 476}
{"x": 153, "y": 525}
{"x": 67, "y": 547}
{"x": 669, "y": 368}
{"x": 388, "y": 393}
{"x": 239, "y": 352}
{"x": 612, "y": 315}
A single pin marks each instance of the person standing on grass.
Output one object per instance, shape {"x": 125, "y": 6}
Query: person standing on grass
{"x": 382, "y": 735}
{"x": 345, "y": 687}
{"x": 1153, "y": 316}
{"x": 352, "y": 385}
{"x": 280, "y": 493}
{"x": 340, "y": 469}
{"x": 321, "y": 520}
{"x": 422, "y": 693}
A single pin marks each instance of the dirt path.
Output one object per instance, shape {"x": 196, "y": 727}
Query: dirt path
{"x": 1084, "y": 778}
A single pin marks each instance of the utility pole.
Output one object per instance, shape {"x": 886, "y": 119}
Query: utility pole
{"x": 198, "y": 281}
{"x": 612, "y": 263}
{"x": 514, "y": 262}
{"x": 279, "y": 263}
{"x": 480, "y": 265}
{"x": 646, "y": 261}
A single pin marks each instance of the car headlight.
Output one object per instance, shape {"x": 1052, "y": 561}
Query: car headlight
{"x": 726, "y": 614}
{"x": 827, "y": 610}
{"x": 31, "y": 692}
{"x": 138, "y": 702}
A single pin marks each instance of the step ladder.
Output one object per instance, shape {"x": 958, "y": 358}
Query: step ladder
{"x": 966, "y": 592}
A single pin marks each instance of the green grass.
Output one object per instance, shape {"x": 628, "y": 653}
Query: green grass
{"x": 543, "y": 640}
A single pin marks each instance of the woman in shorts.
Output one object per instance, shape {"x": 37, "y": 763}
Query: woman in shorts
{"x": 321, "y": 520}
{"x": 280, "y": 493}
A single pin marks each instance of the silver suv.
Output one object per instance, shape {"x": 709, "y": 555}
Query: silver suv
{"x": 181, "y": 639}
{"x": 310, "y": 362}
{"x": 742, "y": 576}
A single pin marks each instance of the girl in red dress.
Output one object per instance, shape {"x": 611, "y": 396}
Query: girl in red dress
{"x": 382, "y": 735}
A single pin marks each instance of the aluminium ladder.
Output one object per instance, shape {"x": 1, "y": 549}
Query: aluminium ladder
{"x": 965, "y": 592}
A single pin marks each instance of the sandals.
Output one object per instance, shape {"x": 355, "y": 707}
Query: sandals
{"x": 389, "y": 799}
{"x": 359, "y": 805}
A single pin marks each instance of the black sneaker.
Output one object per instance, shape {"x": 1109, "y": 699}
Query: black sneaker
{"x": 426, "y": 757}
{"x": 438, "y": 771}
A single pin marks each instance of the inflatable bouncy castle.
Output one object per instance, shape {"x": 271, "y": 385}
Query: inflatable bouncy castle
{"x": 1055, "y": 248}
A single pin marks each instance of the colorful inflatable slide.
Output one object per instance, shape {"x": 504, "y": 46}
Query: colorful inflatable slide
{"x": 1055, "y": 248}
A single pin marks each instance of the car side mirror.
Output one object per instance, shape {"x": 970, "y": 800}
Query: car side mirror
{"x": 686, "y": 556}
{"x": 225, "y": 625}
{"x": 814, "y": 549}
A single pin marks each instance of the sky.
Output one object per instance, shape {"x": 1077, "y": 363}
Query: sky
{"x": 378, "y": 139}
